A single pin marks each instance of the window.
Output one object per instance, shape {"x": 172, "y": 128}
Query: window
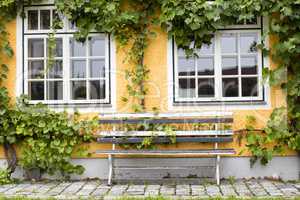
{"x": 80, "y": 72}
{"x": 229, "y": 69}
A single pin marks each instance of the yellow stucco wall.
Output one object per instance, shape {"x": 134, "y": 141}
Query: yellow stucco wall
{"x": 11, "y": 81}
{"x": 156, "y": 61}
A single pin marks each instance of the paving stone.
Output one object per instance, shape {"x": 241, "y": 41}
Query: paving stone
{"x": 87, "y": 189}
{"x": 256, "y": 189}
{"x": 118, "y": 190}
{"x": 136, "y": 190}
{"x": 46, "y": 187}
{"x": 289, "y": 190}
{"x": 32, "y": 188}
{"x": 152, "y": 190}
{"x": 183, "y": 190}
{"x": 16, "y": 189}
{"x": 198, "y": 190}
{"x": 213, "y": 190}
{"x": 73, "y": 188}
{"x": 4, "y": 188}
{"x": 167, "y": 190}
{"x": 101, "y": 190}
{"x": 58, "y": 189}
{"x": 241, "y": 188}
{"x": 270, "y": 188}
{"x": 228, "y": 190}
{"x": 297, "y": 185}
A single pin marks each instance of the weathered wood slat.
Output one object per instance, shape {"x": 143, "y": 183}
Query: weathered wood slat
{"x": 162, "y": 140}
{"x": 162, "y": 168}
{"x": 169, "y": 152}
{"x": 166, "y": 121}
{"x": 168, "y": 115}
{"x": 162, "y": 133}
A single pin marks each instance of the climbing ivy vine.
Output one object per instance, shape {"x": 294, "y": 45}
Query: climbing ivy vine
{"x": 130, "y": 23}
{"x": 191, "y": 24}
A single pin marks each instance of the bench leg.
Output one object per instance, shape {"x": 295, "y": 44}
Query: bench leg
{"x": 110, "y": 168}
{"x": 218, "y": 169}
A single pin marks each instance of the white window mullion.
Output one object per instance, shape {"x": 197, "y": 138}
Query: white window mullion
{"x": 66, "y": 69}
{"x": 175, "y": 68}
{"x": 26, "y": 67}
{"x": 107, "y": 70}
{"x": 239, "y": 63}
{"x": 196, "y": 78}
{"x": 45, "y": 69}
{"x": 218, "y": 67}
{"x": 259, "y": 69}
{"x": 87, "y": 53}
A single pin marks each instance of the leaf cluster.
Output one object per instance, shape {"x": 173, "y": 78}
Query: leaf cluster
{"x": 47, "y": 138}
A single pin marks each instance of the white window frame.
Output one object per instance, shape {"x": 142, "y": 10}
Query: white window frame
{"x": 218, "y": 71}
{"x": 66, "y": 34}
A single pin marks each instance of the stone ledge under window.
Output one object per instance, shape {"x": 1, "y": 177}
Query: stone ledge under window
{"x": 232, "y": 103}
{"x": 81, "y": 105}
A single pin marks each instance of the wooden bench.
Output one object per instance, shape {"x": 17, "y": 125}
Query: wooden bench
{"x": 118, "y": 137}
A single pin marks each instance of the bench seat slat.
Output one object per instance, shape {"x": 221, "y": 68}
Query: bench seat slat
{"x": 162, "y": 133}
{"x": 161, "y": 140}
{"x": 169, "y": 152}
{"x": 168, "y": 115}
{"x": 166, "y": 121}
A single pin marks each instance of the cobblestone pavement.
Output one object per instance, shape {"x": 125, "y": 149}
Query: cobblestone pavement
{"x": 97, "y": 190}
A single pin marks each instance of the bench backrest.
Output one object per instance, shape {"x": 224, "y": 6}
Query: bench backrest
{"x": 166, "y": 118}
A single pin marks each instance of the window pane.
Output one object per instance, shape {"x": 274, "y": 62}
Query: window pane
{"x": 248, "y": 42}
{"x": 78, "y": 49}
{"x": 249, "y": 64}
{"x": 181, "y": 53}
{"x": 229, "y": 65}
{"x": 56, "y": 71}
{"x": 229, "y": 43}
{"x": 97, "y": 46}
{"x": 36, "y": 90}
{"x": 97, "y": 89}
{"x": 78, "y": 69}
{"x": 97, "y": 68}
{"x": 35, "y": 48}
{"x": 207, "y": 49}
{"x": 58, "y": 51}
{"x": 45, "y": 19}
{"x": 186, "y": 67}
{"x": 230, "y": 87}
{"x": 187, "y": 88}
{"x": 78, "y": 90}
{"x": 249, "y": 87}
{"x": 55, "y": 90}
{"x": 206, "y": 87}
{"x": 36, "y": 69}
{"x": 58, "y": 23}
{"x": 205, "y": 66}
{"x": 33, "y": 20}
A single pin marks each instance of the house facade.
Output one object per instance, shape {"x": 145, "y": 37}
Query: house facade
{"x": 90, "y": 77}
